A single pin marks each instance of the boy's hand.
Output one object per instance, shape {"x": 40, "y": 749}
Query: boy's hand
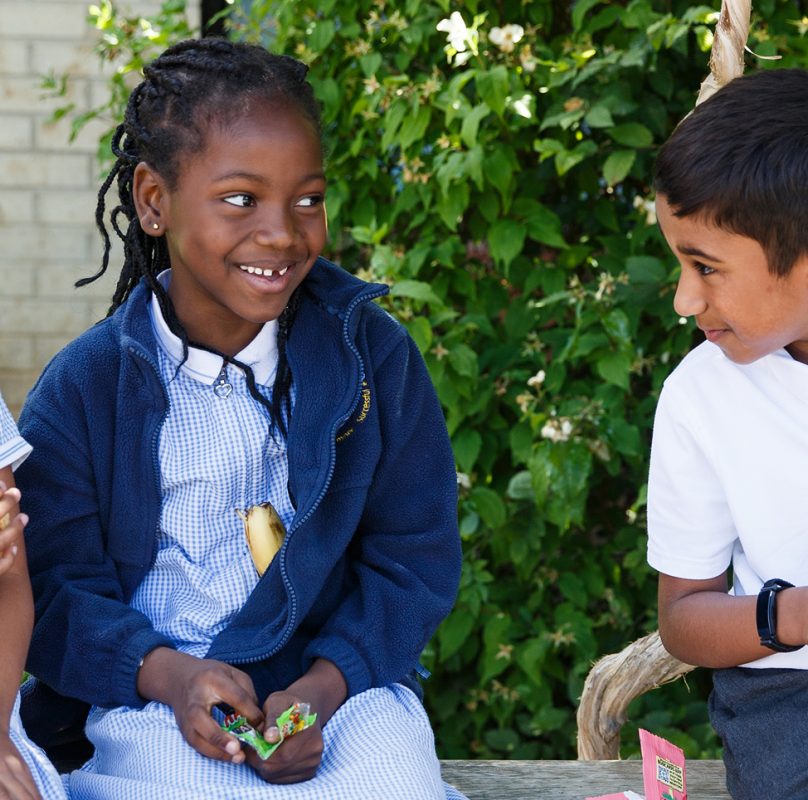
{"x": 16, "y": 782}
{"x": 192, "y": 686}
{"x": 12, "y": 525}
{"x": 298, "y": 758}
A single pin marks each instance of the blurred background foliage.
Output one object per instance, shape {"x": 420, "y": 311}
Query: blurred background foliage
{"x": 491, "y": 162}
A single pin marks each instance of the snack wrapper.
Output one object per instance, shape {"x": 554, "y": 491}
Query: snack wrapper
{"x": 663, "y": 768}
{"x": 296, "y": 718}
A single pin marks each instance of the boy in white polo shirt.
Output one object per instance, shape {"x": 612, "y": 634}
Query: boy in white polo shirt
{"x": 728, "y": 485}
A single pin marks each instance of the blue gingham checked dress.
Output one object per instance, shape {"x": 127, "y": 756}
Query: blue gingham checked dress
{"x": 13, "y": 450}
{"x": 216, "y": 455}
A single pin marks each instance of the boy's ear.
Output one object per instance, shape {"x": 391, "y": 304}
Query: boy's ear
{"x": 149, "y": 192}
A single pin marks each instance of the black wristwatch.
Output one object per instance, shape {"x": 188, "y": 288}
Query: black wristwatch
{"x": 766, "y": 616}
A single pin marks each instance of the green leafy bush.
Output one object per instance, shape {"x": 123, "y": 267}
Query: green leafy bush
{"x": 492, "y": 162}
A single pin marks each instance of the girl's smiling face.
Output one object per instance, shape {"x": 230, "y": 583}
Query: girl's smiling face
{"x": 244, "y": 223}
{"x": 726, "y": 285}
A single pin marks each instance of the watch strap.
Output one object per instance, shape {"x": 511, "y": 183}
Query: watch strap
{"x": 766, "y": 616}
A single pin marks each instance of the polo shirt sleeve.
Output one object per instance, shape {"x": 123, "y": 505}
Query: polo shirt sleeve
{"x": 691, "y": 533}
{"x": 13, "y": 448}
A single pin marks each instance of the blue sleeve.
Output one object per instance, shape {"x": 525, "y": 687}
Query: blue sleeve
{"x": 407, "y": 549}
{"x": 87, "y": 642}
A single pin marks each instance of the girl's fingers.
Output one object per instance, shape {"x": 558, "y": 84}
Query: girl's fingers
{"x": 12, "y": 533}
{"x": 9, "y": 501}
{"x": 213, "y": 742}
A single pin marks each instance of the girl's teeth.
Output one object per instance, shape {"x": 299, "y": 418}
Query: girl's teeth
{"x": 267, "y": 273}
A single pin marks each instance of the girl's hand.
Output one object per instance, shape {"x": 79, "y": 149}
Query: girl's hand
{"x": 12, "y": 524}
{"x": 299, "y": 756}
{"x": 16, "y": 782}
{"x": 192, "y": 686}
{"x": 297, "y": 759}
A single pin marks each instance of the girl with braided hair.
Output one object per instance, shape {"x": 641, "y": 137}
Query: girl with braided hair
{"x": 238, "y": 377}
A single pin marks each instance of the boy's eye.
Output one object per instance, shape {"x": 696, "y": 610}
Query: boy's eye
{"x": 240, "y": 200}
{"x": 702, "y": 269}
{"x": 310, "y": 200}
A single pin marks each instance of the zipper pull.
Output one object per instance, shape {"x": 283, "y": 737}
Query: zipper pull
{"x": 222, "y": 387}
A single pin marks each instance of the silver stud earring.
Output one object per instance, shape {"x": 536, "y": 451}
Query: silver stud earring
{"x": 156, "y": 226}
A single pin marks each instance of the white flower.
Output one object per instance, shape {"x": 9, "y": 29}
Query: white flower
{"x": 557, "y": 429}
{"x": 463, "y": 481}
{"x": 537, "y": 379}
{"x": 456, "y": 30}
{"x": 506, "y": 37}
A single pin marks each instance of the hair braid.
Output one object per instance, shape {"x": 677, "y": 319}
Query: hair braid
{"x": 190, "y": 84}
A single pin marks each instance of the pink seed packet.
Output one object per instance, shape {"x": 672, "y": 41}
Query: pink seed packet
{"x": 663, "y": 768}
{"x": 619, "y": 796}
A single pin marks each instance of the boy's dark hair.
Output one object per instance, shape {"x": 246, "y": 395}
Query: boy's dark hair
{"x": 740, "y": 160}
{"x": 190, "y": 86}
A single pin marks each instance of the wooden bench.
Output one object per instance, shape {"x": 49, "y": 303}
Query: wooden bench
{"x": 570, "y": 780}
{"x": 613, "y": 682}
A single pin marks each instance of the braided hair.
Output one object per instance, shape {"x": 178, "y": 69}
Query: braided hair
{"x": 188, "y": 86}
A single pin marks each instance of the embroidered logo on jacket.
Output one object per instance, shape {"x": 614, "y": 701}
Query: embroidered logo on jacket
{"x": 361, "y": 416}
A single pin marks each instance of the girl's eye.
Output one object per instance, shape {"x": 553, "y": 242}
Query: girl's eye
{"x": 702, "y": 269}
{"x": 240, "y": 200}
{"x": 310, "y": 201}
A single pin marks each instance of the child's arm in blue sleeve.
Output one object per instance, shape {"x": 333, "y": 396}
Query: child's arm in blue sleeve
{"x": 408, "y": 555}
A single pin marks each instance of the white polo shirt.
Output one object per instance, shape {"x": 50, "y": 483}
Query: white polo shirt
{"x": 728, "y": 480}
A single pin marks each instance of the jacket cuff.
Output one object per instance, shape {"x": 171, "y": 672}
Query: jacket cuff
{"x": 124, "y": 675}
{"x": 345, "y": 658}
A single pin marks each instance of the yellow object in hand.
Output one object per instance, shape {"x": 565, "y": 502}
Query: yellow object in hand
{"x": 265, "y": 533}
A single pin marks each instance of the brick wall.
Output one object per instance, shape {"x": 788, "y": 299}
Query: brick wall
{"x": 48, "y": 188}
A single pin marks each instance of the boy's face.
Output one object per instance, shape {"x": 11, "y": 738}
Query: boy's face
{"x": 727, "y": 287}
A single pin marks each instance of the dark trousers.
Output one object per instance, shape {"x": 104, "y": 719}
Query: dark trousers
{"x": 761, "y": 716}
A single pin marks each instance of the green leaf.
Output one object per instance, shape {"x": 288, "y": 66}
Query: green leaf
{"x": 490, "y": 506}
{"x": 618, "y": 165}
{"x": 506, "y": 237}
{"x": 452, "y": 204}
{"x": 573, "y": 589}
{"x": 454, "y": 632}
{"x": 502, "y": 740}
{"x": 493, "y": 86}
{"x": 632, "y": 134}
{"x": 414, "y": 125}
{"x": 322, "y": 34}
{"x": 579, "y": 11}
{"x": 645, "y": 269}
{"x": 599, "y": 117}
{"x": 520, "y": 486}
{"x": 471, "y": 123}
{"x": 466, "y": 444}
{"x": 615, "y": 367}
{"x": 499, "y": 171}
{"x": 417, "y": 290}
{"x": 464, "y": 360}
{"x": 370, "y": 63}
{"x": 543, "y": 225}
{"x": 567, "y": 159}
{"x": 421, "y": 331}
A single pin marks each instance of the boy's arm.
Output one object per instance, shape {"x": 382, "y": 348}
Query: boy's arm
{"x": 703, "y": 625}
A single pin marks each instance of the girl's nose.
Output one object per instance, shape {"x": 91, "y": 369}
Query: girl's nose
{"x": 689, "y": 298}
{"x": 275, "y": 229}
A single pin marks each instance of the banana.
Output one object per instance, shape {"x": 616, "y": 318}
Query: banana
{"x": 265, "y": 533}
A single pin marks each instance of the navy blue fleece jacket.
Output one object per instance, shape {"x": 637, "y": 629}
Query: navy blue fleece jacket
{"x": 371, "y": 562}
